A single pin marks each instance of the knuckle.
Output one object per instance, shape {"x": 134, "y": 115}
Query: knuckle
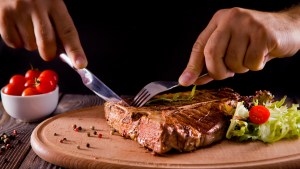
{"x": 68, "y": 31}
{"x": 193, "y": 69}
{"x": 198, "y": 46}
{"x": 209, "y": 53}
{"x": 236, "y": 11}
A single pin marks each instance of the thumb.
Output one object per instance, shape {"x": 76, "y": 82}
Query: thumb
{"x": 196, "y": 62}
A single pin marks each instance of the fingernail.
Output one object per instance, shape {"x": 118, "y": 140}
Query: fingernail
{"x": 80, "y": 62}
{"x": 186, "y": 78}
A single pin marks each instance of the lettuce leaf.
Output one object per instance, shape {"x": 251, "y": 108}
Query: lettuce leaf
{"x": 284, "y": 122}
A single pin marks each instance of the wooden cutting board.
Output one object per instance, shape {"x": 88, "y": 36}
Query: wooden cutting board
{"x": 113, "y": 151}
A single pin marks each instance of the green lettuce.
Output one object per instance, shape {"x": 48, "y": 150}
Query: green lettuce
{"x": 284, "y": 122}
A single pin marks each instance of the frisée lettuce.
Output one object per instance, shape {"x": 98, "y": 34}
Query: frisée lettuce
{"x": 284, "y": 122}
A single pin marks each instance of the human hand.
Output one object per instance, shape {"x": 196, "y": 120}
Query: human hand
{"x": 40, "y": 24}
{"x": 237, "y": 40}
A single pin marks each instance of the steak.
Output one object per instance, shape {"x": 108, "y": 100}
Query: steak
{"x": 175, "y": 121}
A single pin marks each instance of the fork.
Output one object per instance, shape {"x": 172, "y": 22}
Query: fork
{"x": 152, "y": 89}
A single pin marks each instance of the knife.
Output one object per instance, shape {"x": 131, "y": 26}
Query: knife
{"x": 93, "y": 83}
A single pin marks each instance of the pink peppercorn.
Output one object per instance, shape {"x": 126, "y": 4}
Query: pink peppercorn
{"x": 100, "y": 135}
{"x": 15, "y": 132}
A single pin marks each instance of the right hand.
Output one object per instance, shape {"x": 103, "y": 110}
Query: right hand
{"x": 40, "y": 24}
{"x": 237, "y": 40}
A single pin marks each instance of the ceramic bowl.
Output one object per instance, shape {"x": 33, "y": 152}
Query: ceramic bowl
{"x": 30, "y": 108}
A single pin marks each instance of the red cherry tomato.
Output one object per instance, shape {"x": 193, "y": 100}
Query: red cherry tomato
{"x": 45, "y": 84}
{"x": 259, "y": 114}
{"x": 30, "y": 91}
{"x": 30, "y": 83}
{"x": 12, "y": 89}
{"x": 32, "y": 74}
{"x": 18, "y": 81}
{"x": 48, "y": 73}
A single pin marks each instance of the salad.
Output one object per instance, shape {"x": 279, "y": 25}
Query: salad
{"x": 266, "y": 120}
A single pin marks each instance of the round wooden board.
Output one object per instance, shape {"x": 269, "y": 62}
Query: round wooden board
{"x": 113, "y": 151}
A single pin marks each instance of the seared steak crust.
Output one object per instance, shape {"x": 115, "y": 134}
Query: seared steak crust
{"x": 183, "y": 125}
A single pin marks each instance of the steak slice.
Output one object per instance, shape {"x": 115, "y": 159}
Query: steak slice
{"x": 183, "y": 125}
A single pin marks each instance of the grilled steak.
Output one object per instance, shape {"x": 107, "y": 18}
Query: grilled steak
{"x": 183, "y": 124}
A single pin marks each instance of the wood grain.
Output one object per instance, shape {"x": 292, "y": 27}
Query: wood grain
{"x": 21, "y": 156}
{"x": 113, "y": 151}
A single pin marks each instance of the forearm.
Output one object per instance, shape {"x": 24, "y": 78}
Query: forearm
{"x": 293, "y": 15}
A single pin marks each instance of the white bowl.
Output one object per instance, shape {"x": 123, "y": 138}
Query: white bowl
{"x": 30, "y": 108}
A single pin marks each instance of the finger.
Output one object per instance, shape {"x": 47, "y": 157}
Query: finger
{"x": 194, "y": 66}
{"x": 68, "y": 35}
{"x": 196, "y": 61}
{"x": 8, "y": 30}
{"x": 44, "y": 34}
{"x": 214, "y": 54}
{"x": 257, "y": 54}
{"x": 235, "y": 53}
{"x": 26, "y": 31}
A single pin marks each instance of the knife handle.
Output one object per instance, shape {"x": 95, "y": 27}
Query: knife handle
{"x": 66, "y": 59}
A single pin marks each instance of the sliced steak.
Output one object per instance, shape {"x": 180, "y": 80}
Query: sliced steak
{"x": 183, "y": 125}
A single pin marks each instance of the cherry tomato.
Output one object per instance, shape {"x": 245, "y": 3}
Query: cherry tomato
{"x": 45, "y": 84}
{"x": 18, "y": 81}
{"x": 32, "y": 74}
{"x": 49, "y": 74}
{"x": 30, "y": 83}
{"x": 259, "y": 114}
{"x": 30, "y": 91}
{"x": 12, "y": 89}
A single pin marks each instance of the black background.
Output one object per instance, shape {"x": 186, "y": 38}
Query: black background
{"x": 131, "y": 44}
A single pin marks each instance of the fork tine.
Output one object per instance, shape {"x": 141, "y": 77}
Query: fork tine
{"x": 142, "y": 102}
{"x": 140, "y": 97}
{"x": 150, "y": 90}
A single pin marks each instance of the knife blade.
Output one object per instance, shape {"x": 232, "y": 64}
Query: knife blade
{"x": 94, "y": 83}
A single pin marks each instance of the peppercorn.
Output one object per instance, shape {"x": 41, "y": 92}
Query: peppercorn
{"x": 88, "y": 134}
{"x": 15, "y": 132}
{"x": 87, "y": 145}
{"x": 100, "y": 135}
{"x": 8, "y": 146}
{"x": 3, "y": 148}
{"x": 74, "y": 126}
{"x": 95, "y": 132}
{"x": 6, "y": 140}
